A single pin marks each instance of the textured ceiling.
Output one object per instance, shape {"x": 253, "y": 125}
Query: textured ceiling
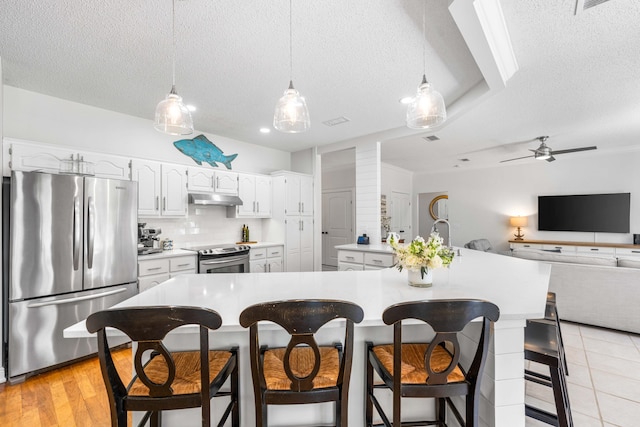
{"x": 577, "y": 80}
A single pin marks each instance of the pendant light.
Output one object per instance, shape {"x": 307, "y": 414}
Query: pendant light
{"x": 292, "y": 114}
{"x": 172, "y": 116}
{"x": 427, "y": 109}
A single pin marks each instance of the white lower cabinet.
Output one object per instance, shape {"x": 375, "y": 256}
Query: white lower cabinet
{"x": 266, "y": 260}
{"x": 363, "y": 260}
{"x": 152, "y": 272}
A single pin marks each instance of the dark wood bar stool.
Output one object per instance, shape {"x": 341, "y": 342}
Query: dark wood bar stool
{"x": 169, "y": 380}
{"x": 542, "y": 346}
{"x": 430, "y": 369}
{"x": 303, "y": 372}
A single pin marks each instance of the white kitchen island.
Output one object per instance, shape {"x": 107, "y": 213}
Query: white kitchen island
{"x": 517, "y": 286}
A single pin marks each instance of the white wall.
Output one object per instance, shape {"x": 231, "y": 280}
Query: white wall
{"x": 41, "y": 118}
{"x": 339, "y": 178}
{"x": 482, "y": 200}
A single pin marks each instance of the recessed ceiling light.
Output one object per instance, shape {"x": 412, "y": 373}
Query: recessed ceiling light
{"x": 265, "y": 130}
{"x": 191, "y": 108}
{"x": 407, "y": 100}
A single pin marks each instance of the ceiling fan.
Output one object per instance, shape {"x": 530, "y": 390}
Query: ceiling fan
{"x": 544, "y": 152}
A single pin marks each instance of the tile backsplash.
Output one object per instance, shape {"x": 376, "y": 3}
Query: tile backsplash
{"x": 204, "y": 225}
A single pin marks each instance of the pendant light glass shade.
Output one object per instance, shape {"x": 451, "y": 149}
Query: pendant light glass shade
{"x": 292, "y": 114}
{"x": 427, "y": 109}
{"x": 172, "y": 116}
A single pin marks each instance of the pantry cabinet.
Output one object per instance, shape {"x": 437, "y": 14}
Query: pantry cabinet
{"x": 293, "y": 213}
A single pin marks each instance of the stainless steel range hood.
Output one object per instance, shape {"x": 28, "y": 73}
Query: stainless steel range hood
{"x": 214, "y": 199}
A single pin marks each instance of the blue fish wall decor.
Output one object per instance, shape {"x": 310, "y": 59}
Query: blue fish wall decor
{"x": 200, "y": 149}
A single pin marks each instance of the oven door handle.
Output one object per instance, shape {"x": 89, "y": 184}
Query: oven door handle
{"x": 225, "y": 260}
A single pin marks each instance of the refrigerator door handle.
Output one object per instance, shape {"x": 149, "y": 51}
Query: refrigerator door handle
{"x": 76, "y": 232}
{"x": 76, "y": 299}
{"x": 90, "y": 231}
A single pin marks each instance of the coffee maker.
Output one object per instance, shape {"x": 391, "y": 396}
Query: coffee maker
{"x": 148, "y": 241}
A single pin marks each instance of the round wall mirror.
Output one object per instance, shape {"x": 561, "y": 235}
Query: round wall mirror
{"x": 438, "y": 207}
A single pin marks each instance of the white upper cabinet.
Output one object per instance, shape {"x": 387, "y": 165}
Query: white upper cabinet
{"x": 226, "y": 182}
{"x": 147, "y": 174}
{"x": 206, "y": 180}
{"x": 28, "y": 157}
{"x": 255, "y": 193}
{"x": 174, "y": 190}
{"x": 162, "y": 188}
{"x": 200, "y": 180}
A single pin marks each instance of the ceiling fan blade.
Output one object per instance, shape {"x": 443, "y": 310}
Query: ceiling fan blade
{"x": 574, "y": 150}
{"x": 517, "y": 158}
{"x": 550, "y": 159}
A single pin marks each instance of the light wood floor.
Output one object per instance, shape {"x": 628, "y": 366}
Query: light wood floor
{"x": 70, "y": 396}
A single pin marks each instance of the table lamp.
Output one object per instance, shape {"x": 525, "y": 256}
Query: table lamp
{"x": 518, "y": 221}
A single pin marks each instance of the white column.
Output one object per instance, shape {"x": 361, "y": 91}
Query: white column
{"x": 368, "y": 190}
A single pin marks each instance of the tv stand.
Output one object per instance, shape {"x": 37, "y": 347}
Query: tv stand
{"x": 579, "y": 248}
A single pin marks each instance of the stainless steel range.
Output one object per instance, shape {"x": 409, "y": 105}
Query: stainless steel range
{"x": 222, "y": 258}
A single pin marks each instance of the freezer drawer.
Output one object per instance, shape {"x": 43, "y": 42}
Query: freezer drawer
{"x": 35, "y": 328}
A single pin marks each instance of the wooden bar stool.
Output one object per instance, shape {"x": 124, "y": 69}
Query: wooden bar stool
{"x": 430, "y": 369}
{"x": 303, "y": 372}
{"x": 542, "y": 346}
{"x": 169, "y": 380}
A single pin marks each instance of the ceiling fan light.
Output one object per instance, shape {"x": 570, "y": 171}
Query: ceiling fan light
{"x": 427, "y": 109}
{"x": 543, "y": 152}
{"x": 172, "y": 116}
{"x": 291, "y": 114}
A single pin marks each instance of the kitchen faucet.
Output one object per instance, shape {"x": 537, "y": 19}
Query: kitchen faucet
{"x": 434, "y": 228}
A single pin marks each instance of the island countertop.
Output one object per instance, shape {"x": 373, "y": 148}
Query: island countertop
{"x": 517, "y": 286}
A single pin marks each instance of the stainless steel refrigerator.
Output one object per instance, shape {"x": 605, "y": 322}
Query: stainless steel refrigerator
{"x": 72, "y": 251}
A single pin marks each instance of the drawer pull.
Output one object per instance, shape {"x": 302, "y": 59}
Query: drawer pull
{"x": 349, "y": 257}
{"x": 635, "y": 252}
{"x": 376, "y": 260}
{"x": 154, "y": 268}
{"x": 595, "y": 249}
{"x": 184, "y": 265}
{"x": 275, "y": 253}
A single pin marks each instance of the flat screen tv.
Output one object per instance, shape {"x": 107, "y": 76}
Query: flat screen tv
{"x": 604, "y": 213}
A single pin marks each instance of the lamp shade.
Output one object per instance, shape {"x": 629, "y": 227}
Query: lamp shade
{"x": 518, "y": 221}
{"x": 292, "y": 114}
{"x": 427, "y": 109}
{"x": 172, "y": 116}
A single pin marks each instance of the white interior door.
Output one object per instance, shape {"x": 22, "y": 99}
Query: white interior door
{"x": 337, "y": 224}
{"x": 401, "y": 214}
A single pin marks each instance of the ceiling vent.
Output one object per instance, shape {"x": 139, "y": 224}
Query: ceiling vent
{"x": 582, "y": 5}
{"x": 431, "y": 138}
{"x": 337, "y": 121}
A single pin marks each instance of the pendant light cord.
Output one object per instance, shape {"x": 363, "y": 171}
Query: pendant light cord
{"x": 424, "y": 38}
{"x": 173, "y": 30}
{"x": 290, "y": 44}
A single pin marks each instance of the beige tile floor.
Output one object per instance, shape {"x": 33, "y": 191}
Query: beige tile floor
{"x": 603, "y": 381}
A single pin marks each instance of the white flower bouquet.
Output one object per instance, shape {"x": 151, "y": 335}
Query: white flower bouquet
{"x": 421, "y": 255}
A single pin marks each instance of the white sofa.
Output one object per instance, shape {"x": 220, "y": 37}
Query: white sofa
{"x": 594, "y": 290}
